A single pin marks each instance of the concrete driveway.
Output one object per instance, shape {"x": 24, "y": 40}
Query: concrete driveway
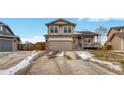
{"x": 10, "y": 59}
{"x": 49, "y": 63}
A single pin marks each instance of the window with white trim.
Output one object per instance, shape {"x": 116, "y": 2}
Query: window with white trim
{"x": 54, "y": 29}
{"x": 67, "y": 29}
{"x": 1, "y": 28}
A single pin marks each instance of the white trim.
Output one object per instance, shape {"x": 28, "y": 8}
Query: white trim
{"x": 1, "y": 27}
{"x": 53, "y": 29}
{"x": 67, "y": 29}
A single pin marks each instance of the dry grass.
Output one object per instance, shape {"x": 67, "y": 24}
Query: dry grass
{"x": 108, "y": 56}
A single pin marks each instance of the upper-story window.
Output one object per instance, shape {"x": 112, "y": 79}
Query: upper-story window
{"x": 51, "y": 29}
{"x": 67, "y": 29}
{"x": 1, "y": 28}
{"x": 54, "y": 29}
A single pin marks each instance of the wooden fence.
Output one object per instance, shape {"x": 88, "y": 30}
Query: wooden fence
{"x": 29, "y": 47}
{"x": 105, "y": 47}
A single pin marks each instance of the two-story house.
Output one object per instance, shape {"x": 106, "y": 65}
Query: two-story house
{"x": 115, "y": 37}
{"x": 62, "y": 36}
{"x": 8, "y": 40}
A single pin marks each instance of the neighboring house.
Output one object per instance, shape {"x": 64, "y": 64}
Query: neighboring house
{"x": 8, "y": 40}
{"x": 62, "y": 36}
{"x": 115, "y": 37}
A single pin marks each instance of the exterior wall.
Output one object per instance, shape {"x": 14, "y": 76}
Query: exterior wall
{"x": 76, "y": 43}
{"x": 122, "y": 43}
{"x": 116, "y": 43}
{"x": 15, "y": 44}
{"x": 111, "y": 33}
{"x": 60, "y": 39}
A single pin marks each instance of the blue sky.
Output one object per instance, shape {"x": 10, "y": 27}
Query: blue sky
{"x": 34, "y": 28}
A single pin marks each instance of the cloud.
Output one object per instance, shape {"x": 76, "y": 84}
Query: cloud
{"x": 33, "y": 39}
{"x": 95, "y": 19}
{"x": 101, "y": 19}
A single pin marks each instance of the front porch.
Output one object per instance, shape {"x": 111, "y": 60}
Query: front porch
{"x": 88, "y": 42}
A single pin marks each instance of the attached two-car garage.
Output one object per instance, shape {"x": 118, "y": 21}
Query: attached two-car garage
{"x": 5, "y": 45}
{"x": 60, "y": 45}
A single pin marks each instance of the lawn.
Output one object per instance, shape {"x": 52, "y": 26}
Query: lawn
{"x": 108, "y": 55}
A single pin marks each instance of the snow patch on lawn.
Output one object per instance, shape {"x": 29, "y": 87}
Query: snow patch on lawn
{"x": 119, "y": 51}
{"x": 60, "y": 54}
{"x": 20, "y": 65}
{"x": 85, "y": 55}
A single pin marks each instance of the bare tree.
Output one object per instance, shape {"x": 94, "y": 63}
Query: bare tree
{"x": 103, "y": 32}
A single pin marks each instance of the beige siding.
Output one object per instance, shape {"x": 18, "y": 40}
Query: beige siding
{"x": 60, "y": 22}
{"x": 15, "y": 44}
{"x": 61, "y": 38}
{"x": 116, "y": 43}
{"x": 111, "y": 33}
{"x": 122, "y": 43}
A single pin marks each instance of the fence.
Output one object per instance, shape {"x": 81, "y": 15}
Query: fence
{"x": 29, "y": 47}
{"x": 105, "y": 47}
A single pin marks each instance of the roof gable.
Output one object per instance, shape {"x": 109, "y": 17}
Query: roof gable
{"x": 117, "y": 27}
{"x": 6, "y": 30}
{"x": 60, "y": 22}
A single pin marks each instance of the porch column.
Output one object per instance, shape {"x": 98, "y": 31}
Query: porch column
{"x": 82, "y": 45}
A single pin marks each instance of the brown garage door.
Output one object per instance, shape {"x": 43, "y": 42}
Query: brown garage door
{"x": 58, "y": 46}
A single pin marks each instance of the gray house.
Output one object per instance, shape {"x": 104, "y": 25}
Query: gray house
{"x": 8, "y": 40}
{"x": 62, "y": 36}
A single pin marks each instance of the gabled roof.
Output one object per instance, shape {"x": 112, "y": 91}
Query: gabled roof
{"x": 2, "y": 23}
{"x": 118, "y": 34}
{"x": 5, "y": 25}
{"x": 88, "y": 33}
{"x": 60, "y": 19}
{"x": 4, "y": 34}
{"x": 117, "y": 27}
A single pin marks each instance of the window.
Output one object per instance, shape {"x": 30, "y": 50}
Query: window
{"x": 1, "y": 28}
{"x": 54, "y": 29}
{"x": 4, "y": 28}
{"x": 67, "y": 29}
{"x": 51, "y": 29}
{"x": 87, "y": 39}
